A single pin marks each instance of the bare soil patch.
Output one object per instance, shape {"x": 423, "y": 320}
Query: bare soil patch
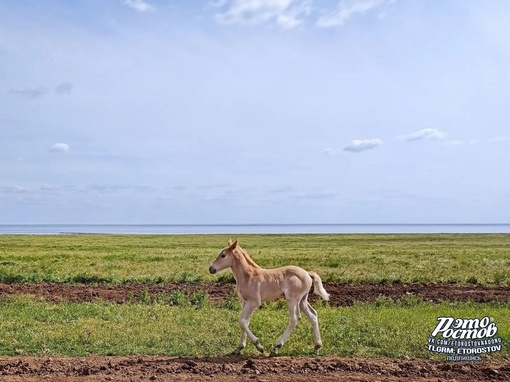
{"x": 341, "y": 294}
{"x": 154, "y": 368}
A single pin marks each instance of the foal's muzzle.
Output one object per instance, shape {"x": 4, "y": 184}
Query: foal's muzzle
{"x": 212, "y": 269}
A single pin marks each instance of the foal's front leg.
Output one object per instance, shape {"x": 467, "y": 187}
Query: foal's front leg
{"x": 244, "y": 322}
{"x": 242, "y": 342}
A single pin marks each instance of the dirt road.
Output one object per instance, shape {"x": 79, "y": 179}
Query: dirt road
{"x": 260, "y": 369}
{"x": 341, "y": 294}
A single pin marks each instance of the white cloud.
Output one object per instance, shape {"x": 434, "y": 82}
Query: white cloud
{"x": 290, "y": 19}
{"x": 359, "y": 145}
{"x": 217, "y": 3}
{"x": 347, "y": 9}
{"x": 454, "y": 143}
{"x": 499, "y": 139}
{"x": 30, "y": 92}
{"x": 287, "y": 21}
{"x": 328, "y": 152}
{"x": 425, "y": 134}
{"x": 59, "y": 148}
{"x": 252, "y": 12}
{"x": 63, "y": 88}
{"x": 41, "y": 91}
{"x": 14, "y": 190}
{"x": 139, "y": 5}
{"x": 315, "y": 195}
{"x": 281, "y": 190}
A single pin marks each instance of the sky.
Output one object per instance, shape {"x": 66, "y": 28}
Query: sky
{"x": 254, "y": 111}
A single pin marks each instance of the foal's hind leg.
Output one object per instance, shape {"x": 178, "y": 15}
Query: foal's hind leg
{"x": 293, "y": 320}
{"x": 312, "y": 316}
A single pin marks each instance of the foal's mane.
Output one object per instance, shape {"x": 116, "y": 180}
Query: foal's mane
{"x": 248, "y": 258}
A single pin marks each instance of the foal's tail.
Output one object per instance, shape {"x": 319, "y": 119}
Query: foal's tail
{"x": 318, "y": 288}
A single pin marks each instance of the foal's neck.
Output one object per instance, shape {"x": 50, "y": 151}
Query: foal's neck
{"x": 243, "y": 266}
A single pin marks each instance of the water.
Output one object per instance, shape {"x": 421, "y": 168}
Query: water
{"x": 251, "y": 228}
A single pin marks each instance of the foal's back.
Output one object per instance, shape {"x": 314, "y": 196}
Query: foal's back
{"x": 289, "y": 281}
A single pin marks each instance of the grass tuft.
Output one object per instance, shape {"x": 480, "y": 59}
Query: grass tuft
{"x": 472, "y": 280}
{"x": 198, "y": 299}
{"x": 84, "y": 278}
{"x": 231, "y": 302}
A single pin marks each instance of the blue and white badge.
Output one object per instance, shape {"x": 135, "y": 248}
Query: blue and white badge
{"x": 464, "y": 339}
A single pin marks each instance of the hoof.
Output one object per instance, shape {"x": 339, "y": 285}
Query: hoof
{"x": 275, "y": 351}
{"x": 259, "y": 347}
{"x": 236, "y": 352}
{"x": 316, "y": 349}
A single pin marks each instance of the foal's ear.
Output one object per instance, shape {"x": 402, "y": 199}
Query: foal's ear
{"x": 233, "y": 245}
{"x": 229, "y": 242}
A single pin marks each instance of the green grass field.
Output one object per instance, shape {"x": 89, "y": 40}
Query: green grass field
{"x": 120, "y": 259}
{"x": 386, "y": 329}
{"x": 196, "y": 328}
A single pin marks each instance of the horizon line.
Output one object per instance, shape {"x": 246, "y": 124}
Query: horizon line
{"x": 249, "y": 224}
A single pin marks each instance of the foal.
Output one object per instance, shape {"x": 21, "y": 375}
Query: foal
{"x": 255, "y": 285}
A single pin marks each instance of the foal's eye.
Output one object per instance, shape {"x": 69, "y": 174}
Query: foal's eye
{"x": 223, "y": 255}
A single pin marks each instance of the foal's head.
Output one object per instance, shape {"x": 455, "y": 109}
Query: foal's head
{"x": 225, "y": 259}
